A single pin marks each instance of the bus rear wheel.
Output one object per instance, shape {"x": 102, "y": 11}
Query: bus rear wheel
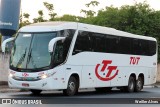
{"x": 139, "y": 84}
{"x": 131, "y": 85}
{"x": 36, "y": 92}
{"x": 72, "y": 87}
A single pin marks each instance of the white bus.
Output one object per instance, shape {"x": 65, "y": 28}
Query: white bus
{"x": 69, "y": 56}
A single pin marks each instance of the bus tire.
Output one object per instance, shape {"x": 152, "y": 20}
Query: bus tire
{"x": 72, "y": 87}
{"x": 139, "y": 84}
{"x": 131, "y": 85}
{"x": 36, "y": 92}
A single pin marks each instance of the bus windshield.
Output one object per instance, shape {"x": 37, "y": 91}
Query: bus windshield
{"x": 30, "y": 51}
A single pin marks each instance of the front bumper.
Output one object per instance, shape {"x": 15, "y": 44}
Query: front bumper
{"x": 44, "y": 84}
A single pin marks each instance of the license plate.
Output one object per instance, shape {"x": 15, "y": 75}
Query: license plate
{"x": 25, "y": 84}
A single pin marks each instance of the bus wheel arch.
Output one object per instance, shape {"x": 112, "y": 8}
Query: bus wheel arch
{"x": 139, "y": 83}
{"x": 77, "y": 78}
{"x": 72, "y": 85}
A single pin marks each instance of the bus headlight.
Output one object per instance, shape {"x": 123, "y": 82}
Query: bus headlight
{"x": 43, "y": 76}
{"x": 10, "y": 75}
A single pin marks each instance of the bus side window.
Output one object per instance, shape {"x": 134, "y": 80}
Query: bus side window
{"x": 125, "y": 45}
{"x": 98, "y": 42}
{"x": 136, "y": 50}
{"x": 112, "y": 44}
{"x": 82, "y": 42}
{"x": 58, "y": 53}
{"x": 152, "y": 48}
{"x": 144, "y": 47}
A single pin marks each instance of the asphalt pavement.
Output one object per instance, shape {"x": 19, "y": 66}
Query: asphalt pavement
{"x": 87, "y": 97}
{"x": 5, "y": 89}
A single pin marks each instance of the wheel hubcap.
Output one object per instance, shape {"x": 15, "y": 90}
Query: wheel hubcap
{"x": 131, "y": 85}
{"x": 71, "y": 86}
{"x": 139, "y": 85}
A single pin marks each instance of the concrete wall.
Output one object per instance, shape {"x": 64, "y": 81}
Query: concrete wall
{"x": 158, "y": 73}
{"x": 4, "y": 61}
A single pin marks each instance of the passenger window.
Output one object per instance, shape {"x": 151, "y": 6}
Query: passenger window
{"x": 98, "y": 42}
{"x": 112, "y": 44}
{"x": 144, "y": 47}
{"x": 136, "y": 47}
{"x": 152, "y": 48}
{"x": 125, "y": 45}
{"x": 82, "y": 42}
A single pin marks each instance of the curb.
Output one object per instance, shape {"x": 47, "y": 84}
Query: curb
{"x": 152, "y": 86}
{"x": 5, "y": 89}
{"x": 10, "y": 90}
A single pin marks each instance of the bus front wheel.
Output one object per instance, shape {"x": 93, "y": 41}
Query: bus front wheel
{"x": 72, "y": 87}
{"x": 35, "y": 92}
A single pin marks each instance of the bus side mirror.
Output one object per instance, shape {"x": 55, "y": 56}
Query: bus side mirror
{"x": 53, "y": 41}
{"x": 5, "y": 42}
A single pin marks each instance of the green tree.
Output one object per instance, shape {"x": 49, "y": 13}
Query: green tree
{"x": 67, "y": 17}
{"x": 136, "y": 19}
{"x": 90, "y": 13}
{"x": 24, "y": 20}
{"x": 50, "y": 8}
{"x": 93, "y": 3}
{"x": 108, "y": 17}
{"x": 40, "y": 17}
{"x": 26, "y": 15}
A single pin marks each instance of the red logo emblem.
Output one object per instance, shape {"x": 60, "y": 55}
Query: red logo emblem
{"x": 110, "y": 69}
{"x": 25, "y": 74}
{"x": 134, "y": 60}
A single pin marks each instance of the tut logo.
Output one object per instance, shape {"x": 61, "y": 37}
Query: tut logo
{"x": 134, "y": 60}
{"x": 109, "y": 71}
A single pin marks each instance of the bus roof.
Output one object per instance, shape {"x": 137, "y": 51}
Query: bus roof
{"x": 61, "y": 25}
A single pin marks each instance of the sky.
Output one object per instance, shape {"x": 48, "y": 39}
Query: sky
{"x": 74, "y": 7}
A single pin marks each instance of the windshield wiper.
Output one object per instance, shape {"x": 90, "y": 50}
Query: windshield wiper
{"x": 30, "y": 58}
{"x": 21, "y": 58}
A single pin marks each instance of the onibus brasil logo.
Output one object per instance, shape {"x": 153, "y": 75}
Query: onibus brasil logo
{"x": 107, "y": 70}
